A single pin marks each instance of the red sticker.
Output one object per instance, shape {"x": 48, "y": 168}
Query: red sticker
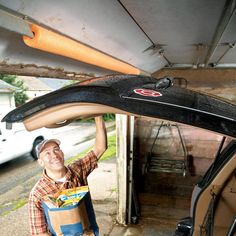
{"x": 147, "y": 92}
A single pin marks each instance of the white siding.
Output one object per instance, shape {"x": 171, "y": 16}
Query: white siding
{"x": 7, "y": 100}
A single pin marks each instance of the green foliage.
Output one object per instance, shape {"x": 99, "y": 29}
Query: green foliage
{"x": 106, "y": 117}
{"x": 111, "y": 150}
{"x": 20, "y": 95}
{"x": 109, "y": 117}
{"x": 109, "y": 153}
{"x": 12, "y": 206}
{"x": 70, "y": 82}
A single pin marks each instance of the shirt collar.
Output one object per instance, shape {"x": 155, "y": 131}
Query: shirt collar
{"x": 47, "y": 178}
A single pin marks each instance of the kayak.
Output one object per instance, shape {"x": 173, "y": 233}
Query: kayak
{"x": 132, "y": 95}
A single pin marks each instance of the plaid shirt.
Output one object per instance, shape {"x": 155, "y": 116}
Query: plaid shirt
{"x": 76, "y": 176}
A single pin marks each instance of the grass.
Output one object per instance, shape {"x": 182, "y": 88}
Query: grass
{"x": 14, "y": 205}
{"x": 20, "y": 203}
{"x": 109, "y": 153}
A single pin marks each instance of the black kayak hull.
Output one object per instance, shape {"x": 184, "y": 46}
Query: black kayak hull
{"x": 138, "y": 95}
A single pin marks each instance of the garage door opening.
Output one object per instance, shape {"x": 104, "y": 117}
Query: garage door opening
{"x": 168, "y": 160}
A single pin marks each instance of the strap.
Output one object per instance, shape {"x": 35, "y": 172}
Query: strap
{"x": 207, "y": 227}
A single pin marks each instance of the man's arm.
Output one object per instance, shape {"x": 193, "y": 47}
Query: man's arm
{"x": 37, "y": 221}
{"x": 101, "y": 137}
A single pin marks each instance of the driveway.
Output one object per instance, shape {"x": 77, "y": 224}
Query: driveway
{"x": 104, "y": 198}
{"x": 18, "y": 177}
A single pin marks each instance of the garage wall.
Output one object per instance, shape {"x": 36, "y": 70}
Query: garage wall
{"x": 219, "y": 82}
{"x": 201, "y": 145}
{"x": 166, "y": 195}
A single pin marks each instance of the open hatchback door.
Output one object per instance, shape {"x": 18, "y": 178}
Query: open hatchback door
{"x": 213, "y": 211}
{"x": 213, "y": 205}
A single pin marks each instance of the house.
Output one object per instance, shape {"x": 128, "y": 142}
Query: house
{"x": 34, "y": 86}
{"x": 7, "y": 101}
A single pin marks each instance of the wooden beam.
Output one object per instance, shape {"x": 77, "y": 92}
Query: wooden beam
{"x": 215, "y": 78}
{"x": 42, "y": 71}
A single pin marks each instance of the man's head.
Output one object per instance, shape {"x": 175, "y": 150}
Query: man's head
{"x": 50, "y": 156}
{"x": 41, "y": 145}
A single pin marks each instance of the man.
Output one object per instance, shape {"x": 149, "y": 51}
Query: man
{"x": 56, "y": 174}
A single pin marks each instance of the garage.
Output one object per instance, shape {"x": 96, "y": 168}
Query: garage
{"x": 191, "y": 42}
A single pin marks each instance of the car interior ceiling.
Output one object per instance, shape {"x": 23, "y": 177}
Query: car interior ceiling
{"x": 221, "y": 156}
{"x": 216, "y": 202}
{"x": 225, "y": 208}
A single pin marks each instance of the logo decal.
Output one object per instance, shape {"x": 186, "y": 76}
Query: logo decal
{"x": 147, "y": 92}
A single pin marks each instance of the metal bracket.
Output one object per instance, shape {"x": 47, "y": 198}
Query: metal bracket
{"x": 12, "y": 22}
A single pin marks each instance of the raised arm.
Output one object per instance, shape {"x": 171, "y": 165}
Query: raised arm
{"x": 101, "y": 137}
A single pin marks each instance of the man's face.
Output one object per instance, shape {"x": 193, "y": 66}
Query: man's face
{"x": 51, "y": 157}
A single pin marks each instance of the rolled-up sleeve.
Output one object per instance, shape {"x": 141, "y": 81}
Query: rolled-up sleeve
{"x": 37, "y": 221}
{"x": 85, "y": 165}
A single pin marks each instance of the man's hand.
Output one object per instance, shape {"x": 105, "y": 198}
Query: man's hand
{"x": 101, "y": 137}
